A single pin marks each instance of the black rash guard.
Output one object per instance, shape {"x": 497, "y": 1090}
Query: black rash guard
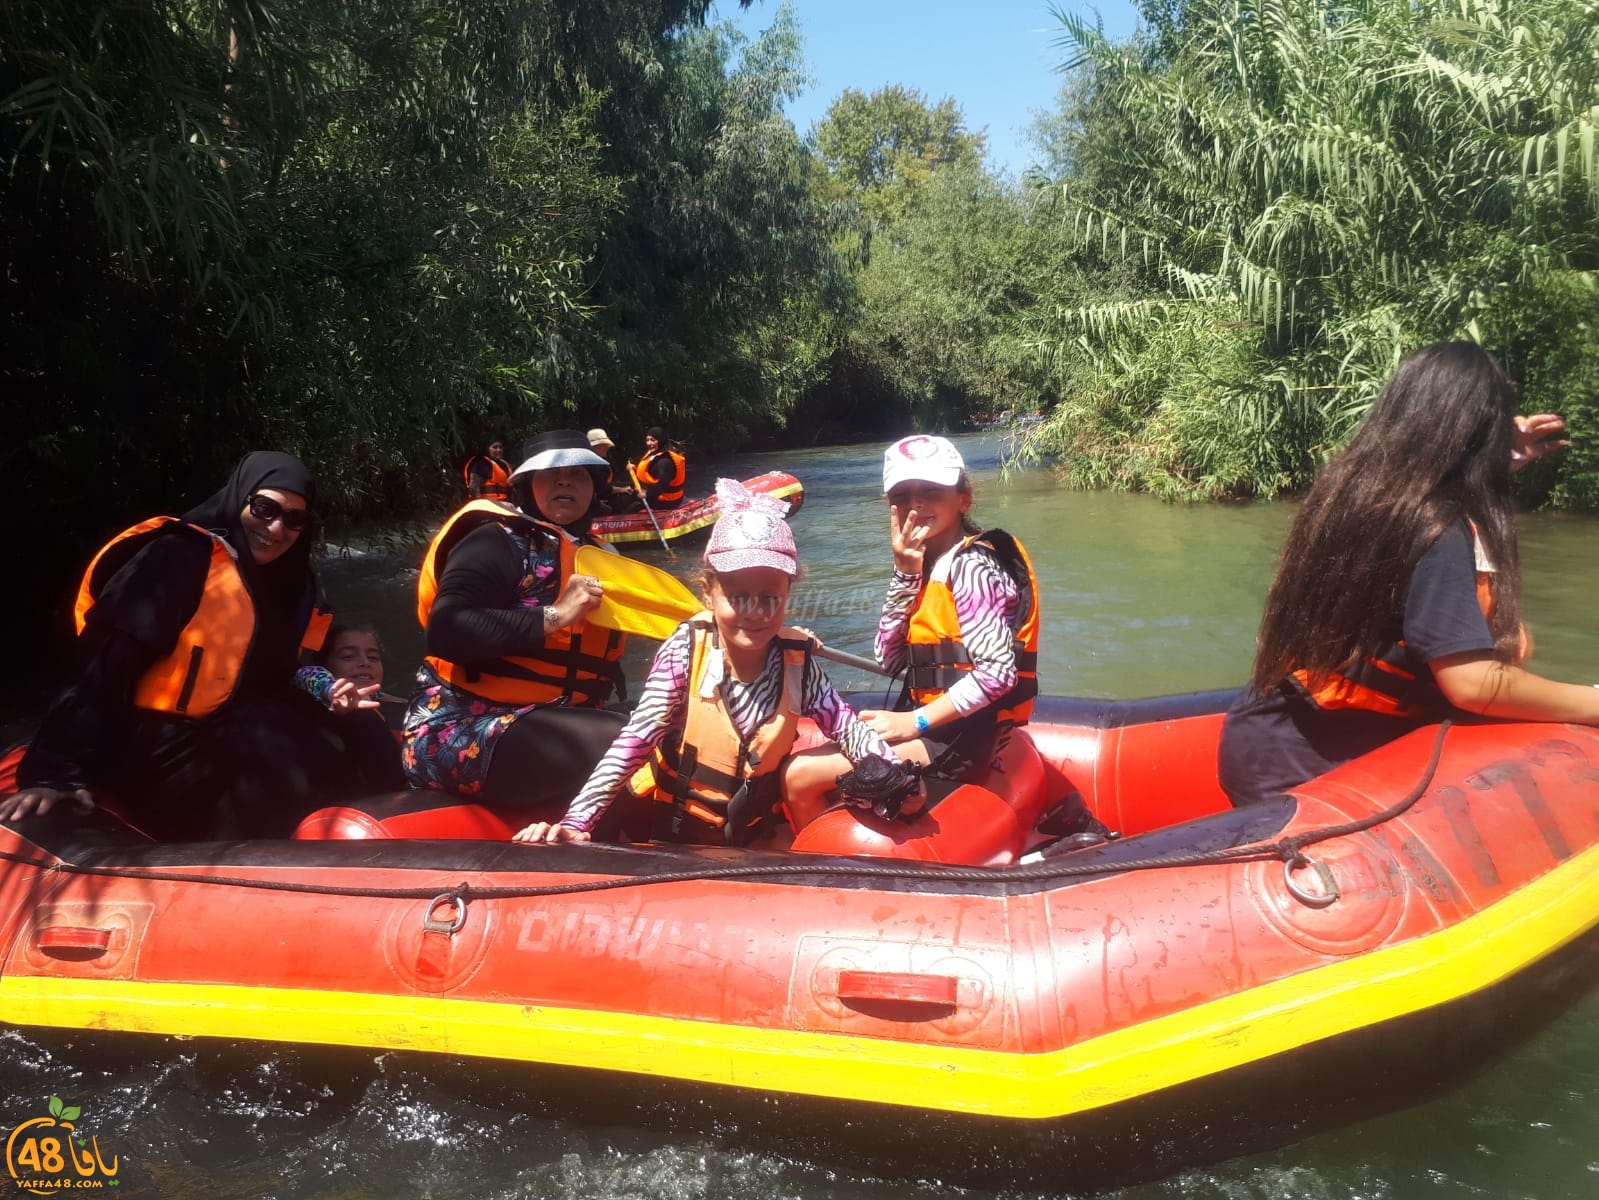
{"x": 477, "y": 613}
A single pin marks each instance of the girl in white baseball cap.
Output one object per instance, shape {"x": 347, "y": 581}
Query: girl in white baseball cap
{"x": 960, "y": 619}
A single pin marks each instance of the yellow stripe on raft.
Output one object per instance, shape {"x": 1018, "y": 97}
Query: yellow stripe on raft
{"x": 667, "y": 531}
{"x": 1143, "y": 1059}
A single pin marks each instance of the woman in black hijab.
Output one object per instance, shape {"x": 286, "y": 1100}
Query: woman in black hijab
{"x": 662, "y": 470}
{"x": 185, "y": 707}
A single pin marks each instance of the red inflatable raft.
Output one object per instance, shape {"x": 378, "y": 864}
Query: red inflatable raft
{"x": 1288, "y": 952}
{"x": 695, "y": 515}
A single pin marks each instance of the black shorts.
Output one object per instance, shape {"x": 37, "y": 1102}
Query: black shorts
{"x": 964, "y": 751}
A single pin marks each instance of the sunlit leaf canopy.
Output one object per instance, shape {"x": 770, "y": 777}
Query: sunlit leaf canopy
{"x": 380, "y": 233}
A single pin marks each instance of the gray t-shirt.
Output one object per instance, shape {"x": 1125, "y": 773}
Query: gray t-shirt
{"x": 1276, "y": 741}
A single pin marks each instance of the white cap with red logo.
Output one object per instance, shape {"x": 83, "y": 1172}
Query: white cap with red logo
{"x": 923, "y": 457}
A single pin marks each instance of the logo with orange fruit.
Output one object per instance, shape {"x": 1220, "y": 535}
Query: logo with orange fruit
{"x": 47, "y": 1153}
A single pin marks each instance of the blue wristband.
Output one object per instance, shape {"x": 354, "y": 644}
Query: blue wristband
{"x": 922, "y": 723}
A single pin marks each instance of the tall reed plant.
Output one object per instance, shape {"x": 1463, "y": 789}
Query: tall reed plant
{"x": 1329, "y": 184}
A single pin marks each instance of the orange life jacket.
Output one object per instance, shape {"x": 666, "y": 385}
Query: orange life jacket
{"x": 938, "y": 658}
{"x": 671, "y": 489}
{"x": 498, "y": 484}
{"x": 202, "y": 670}
{"x": 720, "y": 785}
{"x": 579, "y": 665}
{"x": 1386, "y": 683}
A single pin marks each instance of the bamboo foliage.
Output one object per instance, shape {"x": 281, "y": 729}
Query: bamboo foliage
{"x": 375, "y": 232}
{"x": 1360, "y": 176}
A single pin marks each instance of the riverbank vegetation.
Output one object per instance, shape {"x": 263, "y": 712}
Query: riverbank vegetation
{"x": 379, "y": 233}
{"x": 1307, "y": 191}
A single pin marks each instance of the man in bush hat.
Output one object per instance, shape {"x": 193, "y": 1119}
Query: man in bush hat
{"x": 613, "y": 499}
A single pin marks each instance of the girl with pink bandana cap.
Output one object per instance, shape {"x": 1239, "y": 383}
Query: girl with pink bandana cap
{"x": 701, "y": 758}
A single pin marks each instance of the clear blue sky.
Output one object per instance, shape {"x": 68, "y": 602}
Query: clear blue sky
{"x": 997, "y": 58}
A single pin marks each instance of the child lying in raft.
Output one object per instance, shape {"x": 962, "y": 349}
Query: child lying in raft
{"x": 349, "y": 673}
{"x": 701, "y": 759}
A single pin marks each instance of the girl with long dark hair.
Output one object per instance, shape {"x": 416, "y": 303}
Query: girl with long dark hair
{"x": 1398, "y": 594}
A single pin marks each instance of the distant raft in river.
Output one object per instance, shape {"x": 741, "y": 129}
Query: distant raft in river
{"x": 694, "y": 515}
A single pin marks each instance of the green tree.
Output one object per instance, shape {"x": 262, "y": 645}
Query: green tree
{"x": 711, "y": 283}
{"x": 424, "y": 309}
{"x": 920, "y": 343}
{"x": 947, "y": 298}
{"x": 1348, "y": 183}
{"x": 885, "y": 146}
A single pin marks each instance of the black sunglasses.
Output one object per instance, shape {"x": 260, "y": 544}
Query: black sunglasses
{"x": 265, "y": 508}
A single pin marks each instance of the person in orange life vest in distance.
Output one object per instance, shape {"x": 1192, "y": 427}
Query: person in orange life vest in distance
{"x": 960, "y": 617}
{"x": 185, "y": 707}
{"x": 616, "y": 499}
{"x": 488, "y": 475}
{"x": 701, "y": 758}
{"x": 662, "y": 471}
{"x": 1397, "y": 600}
{"x": 509, "y": 704}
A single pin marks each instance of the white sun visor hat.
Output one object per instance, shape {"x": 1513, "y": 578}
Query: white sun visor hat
{"x": 558, "y": 448}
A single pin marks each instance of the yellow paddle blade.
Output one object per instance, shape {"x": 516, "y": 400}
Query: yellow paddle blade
{"x": 638, "y": 598}
{"x": 646, "y": 600}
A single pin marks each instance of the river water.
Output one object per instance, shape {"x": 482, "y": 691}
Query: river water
{"x": 1139, "y": 598}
